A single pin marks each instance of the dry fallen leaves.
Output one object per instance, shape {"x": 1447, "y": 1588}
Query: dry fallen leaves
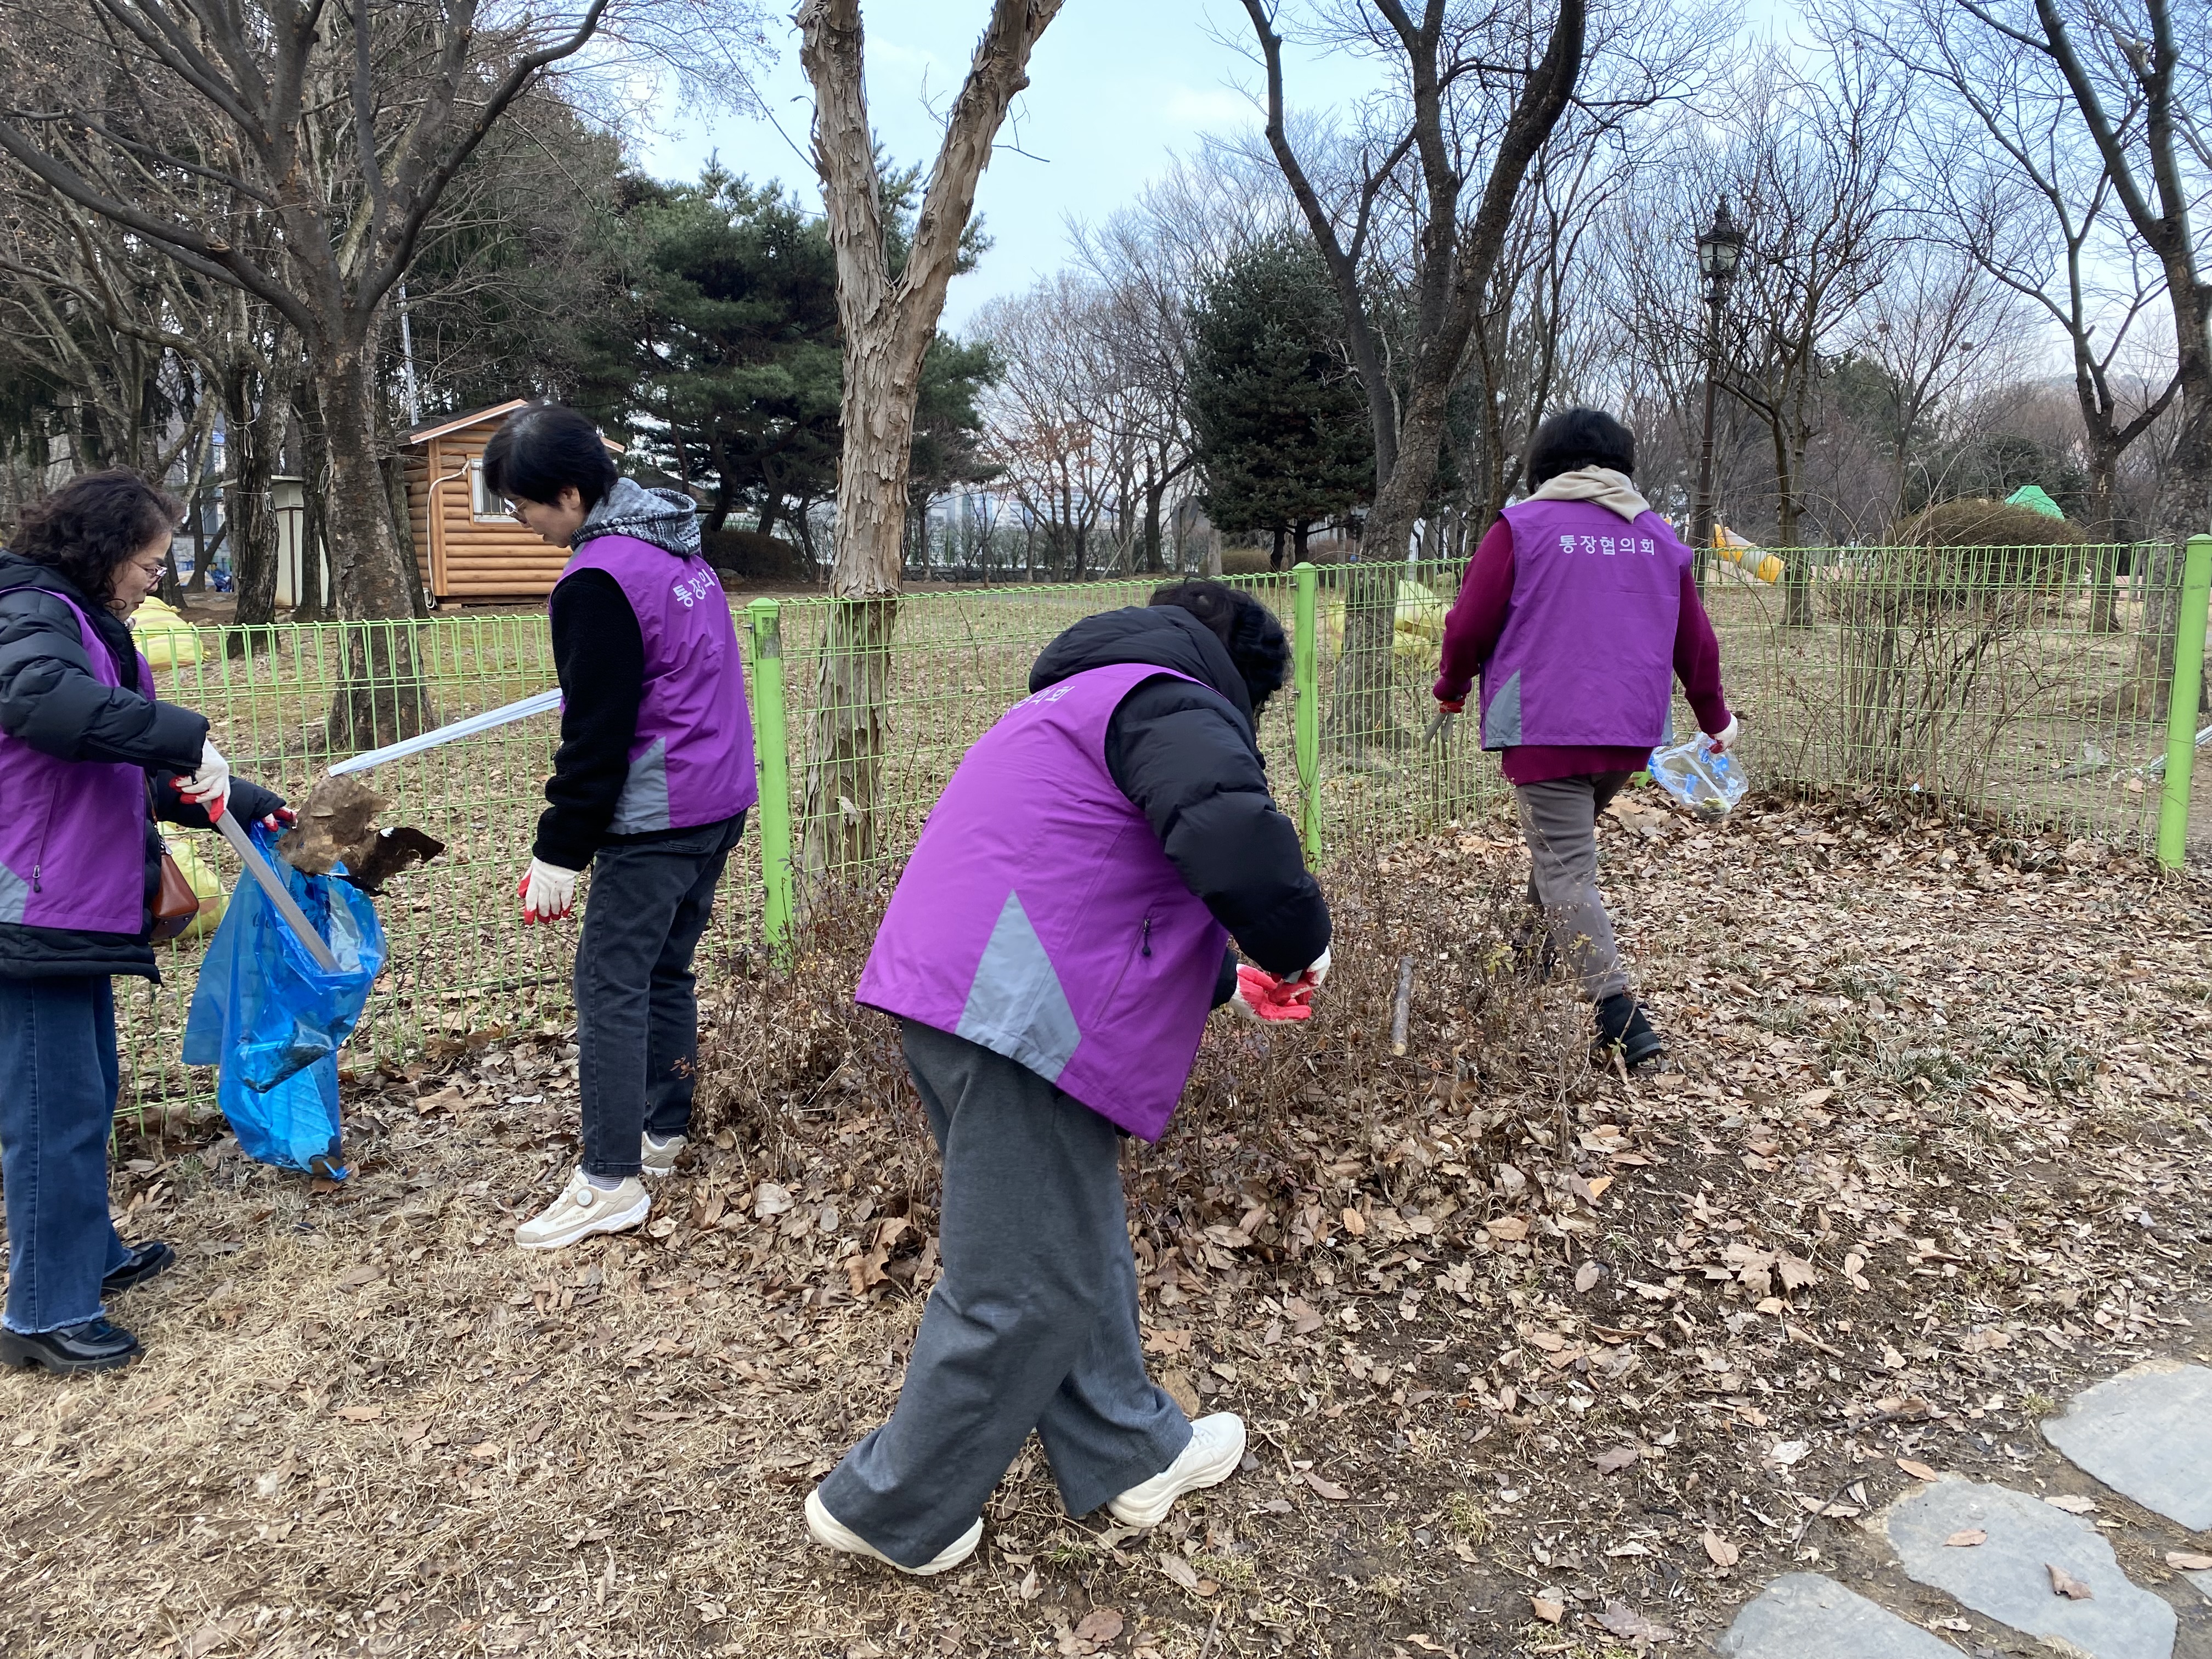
{"x": 1586, "y": 1277}
{"x": 1101, "y": 1625}
{"x": 361, "y": 1413}
{"x": 1968, "y": 1539}
{"x": 1179, "y": 1570}
{"x": 1917, "y": 1470}
{"x": 2065, "y": 1583}
{"x": 1624, "y": 1620}
{"x": 1723, "y": 1553}
{"x": 1549, "y": 1611}
{"x": 2072, "y": 1503}
{"x": 2188, "y": 1561}
{"x": 1354, "y": 1222}
{"x": 1616, "y": 1458}
{"x": 1328, "y": 1489}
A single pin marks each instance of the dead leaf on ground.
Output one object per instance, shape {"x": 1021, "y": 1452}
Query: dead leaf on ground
{"x": 1586, "y": 1277}
{"x": 1507, "y": 1230}
{"x": 1550, "y": 1611}
{"x": 361, "y": 1413}
{"x": 2072, "y": 1503}
{"x": 2063, "y": 1583}
{"x": 2188, "y": 1561}
{"x": 1101, "y": 1625}
{"x": 1917, "y": 1470}
{"x": 1624, "y": 1620}
{"x": 1328, "y": 1489}
{"x": 1723, "y": 1553}
{"x": 1611, "y": 1462}
{"x": 1354, "y": 1222}
{"x": 1179, "y": 1570}
{"x": 1968, "y": 1539}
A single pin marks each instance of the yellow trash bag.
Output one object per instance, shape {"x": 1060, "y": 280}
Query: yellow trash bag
{"x": 168, "y": 640}
{"x": 1418, "y": 631}
{"x": 206, "y": 885}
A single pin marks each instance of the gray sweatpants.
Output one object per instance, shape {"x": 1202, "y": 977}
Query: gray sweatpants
{"x": 1558, "y": 820}
{"x": 1033, "y": 1326}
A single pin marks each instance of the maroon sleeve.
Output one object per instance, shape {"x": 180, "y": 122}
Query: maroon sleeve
{"x": 1478, "y": 615}
{"x": 1697, "y": 659}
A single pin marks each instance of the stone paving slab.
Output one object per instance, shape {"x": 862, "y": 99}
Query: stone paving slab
{"x": 2007, "y": 1578}
{"x": 2202, "y": 1581}
{"x": 1802, "y": 1615}
{"x": 2146, "y": 1432}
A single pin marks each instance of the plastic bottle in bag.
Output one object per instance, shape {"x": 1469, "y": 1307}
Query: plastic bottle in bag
{"x": 1708, "y": 784}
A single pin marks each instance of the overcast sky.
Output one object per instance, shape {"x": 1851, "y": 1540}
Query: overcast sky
{"x": 1116, "y": 86}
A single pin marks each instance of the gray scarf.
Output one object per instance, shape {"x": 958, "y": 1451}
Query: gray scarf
{"x": 1600, "y": 485}
{"x": 663, "y": 518}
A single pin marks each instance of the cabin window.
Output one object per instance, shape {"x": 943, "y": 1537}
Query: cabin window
{"x": 489, "y": 507}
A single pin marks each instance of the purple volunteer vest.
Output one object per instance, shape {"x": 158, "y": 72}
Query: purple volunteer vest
{"x": 1587, "y": 653}
{"x": 1039, "y": 917}
{"x": 73, "y": 833}
{"x": 691, "y": 761}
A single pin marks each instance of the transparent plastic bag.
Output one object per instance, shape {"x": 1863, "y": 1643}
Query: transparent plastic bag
{"x": 1708, "y": 784}
{"x": 273, "y": 1021}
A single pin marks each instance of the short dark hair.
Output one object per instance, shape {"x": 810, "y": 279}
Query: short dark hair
{"x": 94, "y": 523}
{"x": 1580, "y": 437}
{"x": 1254, "y": 637}
{"x": 539, "y": 450}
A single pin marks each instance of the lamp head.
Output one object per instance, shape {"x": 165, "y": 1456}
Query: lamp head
{"x": 1719, "y": 250}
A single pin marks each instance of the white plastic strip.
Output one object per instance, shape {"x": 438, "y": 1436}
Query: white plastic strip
{"x": 490, "y": 721}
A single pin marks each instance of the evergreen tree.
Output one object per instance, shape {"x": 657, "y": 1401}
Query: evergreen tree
{"x": 1279, "y": 422}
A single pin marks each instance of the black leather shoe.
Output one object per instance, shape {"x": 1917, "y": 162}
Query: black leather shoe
{"x": 94, "y": 1346}
{"x": 1623, "y": 1030}
{"x": 145, "y": 1260}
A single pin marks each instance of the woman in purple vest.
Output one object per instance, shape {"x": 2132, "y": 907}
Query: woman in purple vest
{"x": 652, "y": 779}
{"x": 88, "y": 758}
{"x": 1578, "y": 611}
{"x": 1052, "y": 951}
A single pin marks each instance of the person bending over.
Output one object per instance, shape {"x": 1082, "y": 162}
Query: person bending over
{"x": 1051, "y": 953}
{"x": 652, "y": 779}
{"x": 1578, "y": 611}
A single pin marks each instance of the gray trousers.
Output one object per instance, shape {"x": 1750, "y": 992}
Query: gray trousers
{"x": 1033, "y": 1326}
{"x": 1558, "y": 820}
{"x": 637, "y": 1010}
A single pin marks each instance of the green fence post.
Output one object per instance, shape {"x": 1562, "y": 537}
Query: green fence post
{"x": 2181, "y": 703}
{"x": 771, "y": 750}
{"x": 1305, "y": 714}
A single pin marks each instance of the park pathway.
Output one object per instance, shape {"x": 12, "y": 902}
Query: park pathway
{"x": 2032, "y": 1565}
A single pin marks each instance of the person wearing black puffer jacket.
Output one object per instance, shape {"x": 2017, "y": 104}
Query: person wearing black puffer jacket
{"x": 88, "y": 758}
{"x": 1053, "y": 947}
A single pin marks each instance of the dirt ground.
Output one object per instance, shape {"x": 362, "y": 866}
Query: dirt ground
{"x": 1536, "y": 1360}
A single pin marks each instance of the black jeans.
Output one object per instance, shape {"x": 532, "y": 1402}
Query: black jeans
{"x": 637, "y": 1019}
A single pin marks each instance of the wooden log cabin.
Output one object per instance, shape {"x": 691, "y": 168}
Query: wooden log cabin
{"x": 468, "y": 546}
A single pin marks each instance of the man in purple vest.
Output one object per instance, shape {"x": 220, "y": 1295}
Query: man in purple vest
{"x": 1051, "y": 952}
{"x": 1579, "y": 609}
{"x": 653, "y": 779}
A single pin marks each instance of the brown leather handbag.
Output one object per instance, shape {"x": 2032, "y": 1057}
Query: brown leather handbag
{"x": 176, "y": 904}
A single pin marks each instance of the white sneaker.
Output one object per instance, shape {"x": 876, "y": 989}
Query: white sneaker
{"x": 1217, "y": 1447}
{"x": 658, "y": 1157}
{"x": 582, "y": 1210}
{"x": 827, "y": 1530}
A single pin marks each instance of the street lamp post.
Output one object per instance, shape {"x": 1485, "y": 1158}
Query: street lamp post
{"x": 1719, "y": 251}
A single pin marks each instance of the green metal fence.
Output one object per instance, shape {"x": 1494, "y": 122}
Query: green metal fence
{"x": 2008, "y": 686}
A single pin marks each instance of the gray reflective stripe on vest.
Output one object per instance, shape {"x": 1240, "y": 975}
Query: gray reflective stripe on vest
{"x": 644, "y": 803}
{"x": 1015, "y": 1006}
{"x": 14, "y": 895}
{"x": 1501, "y": 721}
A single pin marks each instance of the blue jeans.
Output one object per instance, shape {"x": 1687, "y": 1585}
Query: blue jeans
{"x": 637, "y": 1013}
{"x": 58, "y": 1081}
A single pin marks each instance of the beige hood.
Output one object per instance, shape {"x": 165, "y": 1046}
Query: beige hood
{"x": 1601, "y": 484}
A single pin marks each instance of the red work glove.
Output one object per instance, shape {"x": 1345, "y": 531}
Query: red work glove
{"x": 1452, "y": 706}
{"x": 1262, "y": 998}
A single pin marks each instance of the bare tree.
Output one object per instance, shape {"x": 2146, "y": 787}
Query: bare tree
{"x": 341, "y": 127}
{"x": 1470, "y": 82}
{"x": 889, "y": 318}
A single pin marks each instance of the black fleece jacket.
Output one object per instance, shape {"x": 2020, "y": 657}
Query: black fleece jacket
{"x": 598, "y": 653}
{"x": 1188, "y": 759}
{"x": 50, "y": 700}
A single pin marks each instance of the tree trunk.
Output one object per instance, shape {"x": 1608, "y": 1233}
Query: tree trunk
{"x": 314, "y": 516}
{"x": 1299, "y": 534}
{"x": 2105, "y": 586}
{"x": 1275, "y": 552}
{"x": 771, "y": 504}
{"x": 249, "y": 459}
{"x": 383, "y": 697}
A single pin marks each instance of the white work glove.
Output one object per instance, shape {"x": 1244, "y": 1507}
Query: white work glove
{"x": 549, "y": 892}
{"x": 1724, "y": 740}
{"x": 1312, "y": 974}
{"x": 210, "y": 786}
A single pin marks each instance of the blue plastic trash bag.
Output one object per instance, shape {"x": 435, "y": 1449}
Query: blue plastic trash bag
{"x": 273, "y": 1020}
{"x": 1708, "y": 784}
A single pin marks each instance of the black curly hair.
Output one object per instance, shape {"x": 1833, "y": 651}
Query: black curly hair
{"x": 93, "y": 524}
{"x": 1256, "y": 639}
{"x": 1577, "y": 438}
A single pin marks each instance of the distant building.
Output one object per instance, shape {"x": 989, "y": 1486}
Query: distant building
{"x": 467, "y": 545}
